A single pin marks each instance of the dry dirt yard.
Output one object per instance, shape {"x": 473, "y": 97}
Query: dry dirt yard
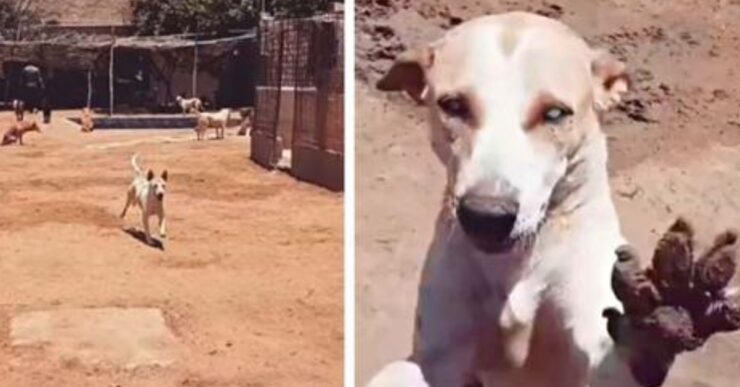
{"x": 247, "y": 291}
{"x": 674, "y": 143}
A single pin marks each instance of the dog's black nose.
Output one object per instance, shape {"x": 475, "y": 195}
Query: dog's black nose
{"x": 160, "y": 196}
{"x": 488, "y": 220}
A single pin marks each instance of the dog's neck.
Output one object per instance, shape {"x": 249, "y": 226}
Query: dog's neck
{"x": 585, "y": 186}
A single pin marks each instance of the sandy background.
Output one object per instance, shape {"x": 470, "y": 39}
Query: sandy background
{"x": 674, "y": 148}
{"x": 250, "y": 281}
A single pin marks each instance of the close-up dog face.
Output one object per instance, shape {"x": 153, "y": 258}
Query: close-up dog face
{"x": 512, "y": 99}
{"x": 158, "y": 184}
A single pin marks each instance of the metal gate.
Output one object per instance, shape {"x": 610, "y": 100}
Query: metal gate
{"x": 300, "y": 99}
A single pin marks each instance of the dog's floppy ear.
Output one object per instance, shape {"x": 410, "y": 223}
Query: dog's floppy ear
{"x": 164, "y": 175}
{"x": 407, "y": 73}
{"x": 150, "y": 175}
{"x": 610, "y": 80}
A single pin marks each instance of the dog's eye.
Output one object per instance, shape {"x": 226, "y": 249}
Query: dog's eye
{"x": 455, "y": 106}
{"x": 556, "y": 114}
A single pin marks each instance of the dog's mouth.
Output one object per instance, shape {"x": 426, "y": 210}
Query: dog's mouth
{"x": 494, "y": 244}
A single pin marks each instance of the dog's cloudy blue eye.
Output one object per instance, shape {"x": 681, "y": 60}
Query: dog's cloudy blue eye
{"x": 555, "y": 115}
{"x": 455, "y": 106}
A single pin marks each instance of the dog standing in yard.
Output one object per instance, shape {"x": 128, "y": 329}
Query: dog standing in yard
{"x": 19, "y": 108}
{"x": 518, "y": 274}
{"x": 189, "y": 105}
{"x": 217, "y": 121}
{"x": 147, "y": 192}
{"x": 247, "y": 115}
{"x": 87, "y": 122}
{"x": 17, "y": 130}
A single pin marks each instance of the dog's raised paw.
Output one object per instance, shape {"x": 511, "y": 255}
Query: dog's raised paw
{"x": 679, "y": 302}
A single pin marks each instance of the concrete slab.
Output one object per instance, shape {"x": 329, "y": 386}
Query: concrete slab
{"x": 118, "y": 337}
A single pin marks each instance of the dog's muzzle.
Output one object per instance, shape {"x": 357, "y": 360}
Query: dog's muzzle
{"x": 488, "y": 220}
{"x": 160, "y": 196}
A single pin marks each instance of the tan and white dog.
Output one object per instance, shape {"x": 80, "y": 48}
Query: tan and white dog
{"x": 518, "y": 274}
{"x": 189, "y": 105}
{"x": 217, "y": 121}
{"x": 87, "y": 123}
{"x": 247, "y": 116}
{"x": 147, "y": 192}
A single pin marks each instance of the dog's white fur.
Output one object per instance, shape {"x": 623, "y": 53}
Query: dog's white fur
{"x": 190, "y": 104}
{"x": 399, "y": 374}
{"x": 147, "y": 192}
{"x": 518, "y": 318}
{"x": 19, "y": 109}
{"x": 217, "y": 121}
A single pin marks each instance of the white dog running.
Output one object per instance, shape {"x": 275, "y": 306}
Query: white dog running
{"x": 147, "y": 192}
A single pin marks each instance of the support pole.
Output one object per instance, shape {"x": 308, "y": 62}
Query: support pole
{"x": 110, "y": 72}
{"x": 89, "y": 87}
{"x": 195, "y": 70}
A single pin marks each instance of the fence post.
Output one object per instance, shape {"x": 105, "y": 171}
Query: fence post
{"x": 111, "y": 89}
{"x": 277, "y": 147}
{"x": 195, "y": 69}
{"x": 89, "y": 87}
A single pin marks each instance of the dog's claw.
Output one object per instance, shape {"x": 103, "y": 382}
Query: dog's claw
{"x": 682, "y": 226}
{"x": 617, "y": 325}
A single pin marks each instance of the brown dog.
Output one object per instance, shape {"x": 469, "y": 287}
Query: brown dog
{"x": 87, "y": 122}
{"x": 17, "y": 130}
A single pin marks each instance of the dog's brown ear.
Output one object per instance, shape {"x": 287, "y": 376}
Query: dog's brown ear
{"x": 164, "y": 175}
{"x": 150, "y": 175}
{"x": 610, "y": 80}
{"x": 407, "y": 73}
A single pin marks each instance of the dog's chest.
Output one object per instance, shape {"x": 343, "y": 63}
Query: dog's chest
{"x": 565, "y": 286}
{"x": 552, "y": 361}
{"x": 145, "y": 197}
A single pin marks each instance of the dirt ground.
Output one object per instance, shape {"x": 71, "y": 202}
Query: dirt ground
{"x": 249, "y": 281}
{"x": 674, "y": 148}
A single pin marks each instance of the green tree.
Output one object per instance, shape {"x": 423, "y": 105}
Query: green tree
{"x": 15, "y": 15}
{"x": 161, "y": 17}
{"x": 299, "y": 8}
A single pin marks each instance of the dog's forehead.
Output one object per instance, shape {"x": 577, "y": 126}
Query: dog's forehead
{"x": 531, "y": 53}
